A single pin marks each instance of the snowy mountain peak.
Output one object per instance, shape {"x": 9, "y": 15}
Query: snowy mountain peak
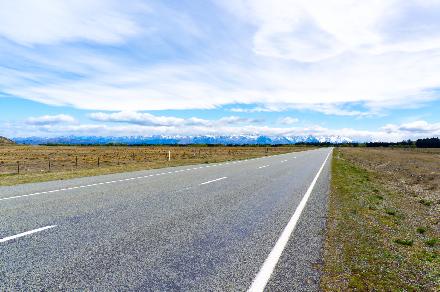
{"x": 181, "y": 140}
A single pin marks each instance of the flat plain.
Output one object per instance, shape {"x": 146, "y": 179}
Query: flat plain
{"x": 24, "y": 163}
{"x": 384, "y": 221}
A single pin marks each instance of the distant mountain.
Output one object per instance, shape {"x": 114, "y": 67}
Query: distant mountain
{"x": 6, "y": 141}
{"x": 182, "y": 140}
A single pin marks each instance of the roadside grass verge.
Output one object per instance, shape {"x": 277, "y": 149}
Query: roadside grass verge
{"x": 378, "y": 238}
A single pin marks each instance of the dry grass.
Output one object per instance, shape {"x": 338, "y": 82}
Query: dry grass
{"x": 5, "y": 141}
{"x": 43, "y": 163}
{"x": 384, "y": 221}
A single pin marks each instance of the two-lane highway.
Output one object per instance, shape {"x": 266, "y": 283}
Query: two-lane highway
{"x": 214, "y": 227}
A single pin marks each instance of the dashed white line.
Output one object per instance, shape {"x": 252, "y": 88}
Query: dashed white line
{"x": 214, "y": 180}
{"x": 263, "y": 166}
{"x": 269, "y": 264}
{"x": 122, "y": 180}
{"x": 26, "y": 233}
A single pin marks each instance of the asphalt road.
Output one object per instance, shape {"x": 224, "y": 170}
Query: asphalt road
{"x": 209, "y": 227}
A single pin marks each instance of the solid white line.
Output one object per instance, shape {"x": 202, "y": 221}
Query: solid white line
{"x": 26, "y": 233}
{"x": 269, "y": 264}
{"x": 208, "y": 182}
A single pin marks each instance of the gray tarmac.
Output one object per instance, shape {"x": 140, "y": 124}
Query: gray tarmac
{"x": 205, "y": 227}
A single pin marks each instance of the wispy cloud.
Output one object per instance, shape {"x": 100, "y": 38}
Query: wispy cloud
{"x": 257, "y": 109}
{"x": 414, "y": 128}
{"x": 30, "y": 22}
{"x": 135, "y": 123}
{"x": 320, "y": 55}
{"x": 147, "y": 119}
{"x": 50, "y": 120}
{"x": 287, "y": 120}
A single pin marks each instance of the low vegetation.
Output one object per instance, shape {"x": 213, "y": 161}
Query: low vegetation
{"x": 22, "y": 163}
{"x": 384, "y": 224}
{"x": 5, "y": 141}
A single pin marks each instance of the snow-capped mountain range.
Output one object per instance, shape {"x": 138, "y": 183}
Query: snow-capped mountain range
{"x": 182, "y": 140}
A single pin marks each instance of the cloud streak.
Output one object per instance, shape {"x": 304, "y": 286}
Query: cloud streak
{"x": 143, "y": 124}
{"x": 287, "y": 121}
{"x": 50, "y": 120}
{"x": 31, "y": 23}
{"x": 147, "y": 119}
{"x": 285, "y": 54}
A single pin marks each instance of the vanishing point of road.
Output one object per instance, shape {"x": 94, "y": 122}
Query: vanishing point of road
{"x": 254, "y": 225}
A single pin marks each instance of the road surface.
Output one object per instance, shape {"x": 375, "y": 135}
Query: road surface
{"x": 253, "y": 224}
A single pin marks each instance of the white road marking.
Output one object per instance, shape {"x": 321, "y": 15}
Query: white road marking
{"x": 266, "y": 270}
{"x": 211, "y": 181}
{"x": 264, "y": 166}
{"x": 26, "y": 233}
{"x": 119, "y": 180}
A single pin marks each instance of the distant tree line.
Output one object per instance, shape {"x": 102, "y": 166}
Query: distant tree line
{"x": 404, "y": 143}
{"x": 419, "y": 143}
{"x": 428, "y": 143}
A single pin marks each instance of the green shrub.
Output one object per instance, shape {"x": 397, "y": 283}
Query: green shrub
{"x": 425, "y": 202}
{"x": 431, "y": 242}
{"x": 421, "y": 230}
{"x": 407, "y": 242}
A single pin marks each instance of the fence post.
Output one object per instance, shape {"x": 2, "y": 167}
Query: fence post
{"x": 98, "y": 161}
{"x": 169, "y": 155}
{"x": 76, "y": 161}
{"x": 18, "y": 167}
{"x": 49, "y": 163}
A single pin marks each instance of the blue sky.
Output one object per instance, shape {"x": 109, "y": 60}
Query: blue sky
{"x": 367, "y": 70}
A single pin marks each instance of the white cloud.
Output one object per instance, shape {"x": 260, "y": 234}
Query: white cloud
{"x": 287, "y": 120}
{"x": 312, "y": 30}
{"x": 137, "y": 118}
{"x": 50, "y": 120}
{"x": 257, "y": 109}
{"x": 391, "y": 132}
{"x": 319, "y": 55}
{"x": 147, "y": 119}
{"x": 414, "y": 128}
{"x": 31, "y": 22}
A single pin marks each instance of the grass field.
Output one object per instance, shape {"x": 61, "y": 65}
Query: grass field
{"x": 384, "y": 221}
{"x": 22, "y": 164}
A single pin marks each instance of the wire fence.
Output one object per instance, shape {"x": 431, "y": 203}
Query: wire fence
{"x": 38, "y": 159}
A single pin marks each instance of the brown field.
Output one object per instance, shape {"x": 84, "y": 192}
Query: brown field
{"x": 21, "y": 164}
{"x": 383, "y": 231}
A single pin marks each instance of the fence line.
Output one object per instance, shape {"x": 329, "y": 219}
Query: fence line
{"x": 71, "y": 161}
